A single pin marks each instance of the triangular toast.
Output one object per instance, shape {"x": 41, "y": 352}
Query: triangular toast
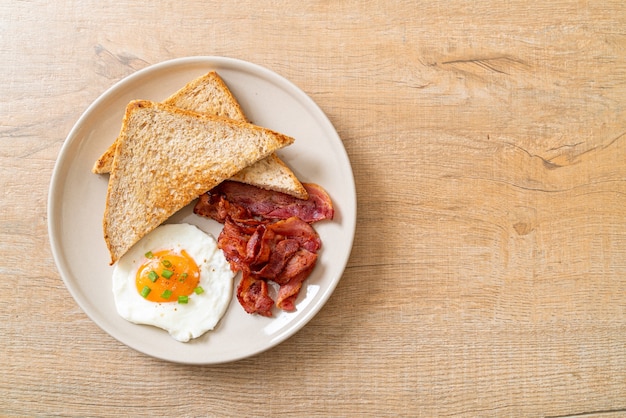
{"x": 209, "y": 94}
{"x": 165, "y": 158}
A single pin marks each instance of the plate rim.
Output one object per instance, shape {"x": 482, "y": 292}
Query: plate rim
{"x": 61, "y": 167}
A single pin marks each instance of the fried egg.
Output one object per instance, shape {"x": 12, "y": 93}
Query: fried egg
{"x": 174, "y": 278}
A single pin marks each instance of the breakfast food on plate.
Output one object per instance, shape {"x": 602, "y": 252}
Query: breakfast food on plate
{"x": 197, "y": 144}
{"x": 268, "y": 237}
{"x": 209, "y": 94}
{"x": 174, "y": 278}
{"x": 165, "y": 158}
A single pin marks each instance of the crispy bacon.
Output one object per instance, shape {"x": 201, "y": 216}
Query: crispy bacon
{"x": 253, "y": 297}
{"x": 288, "y": 292}
{"x": 281, "y": 254}
{"x": 266, "y": 250}
{"x": 302, "y": 262}
{"x": 240, "y": 200}
{"x": 215, "y": 206}
{"x": 284, "y": 252}
{"x": 268, "y": 236}
{"x": 295, "y": 228}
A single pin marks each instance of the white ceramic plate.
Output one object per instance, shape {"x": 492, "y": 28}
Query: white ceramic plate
{"x": 77, "y": 197}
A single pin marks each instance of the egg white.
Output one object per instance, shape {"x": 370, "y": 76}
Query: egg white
{"x": 182, "y": 321}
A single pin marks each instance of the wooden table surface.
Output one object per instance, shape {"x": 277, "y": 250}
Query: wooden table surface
{"x": 488, "y": 144}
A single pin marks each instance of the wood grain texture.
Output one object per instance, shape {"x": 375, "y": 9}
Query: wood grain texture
{"x": 488, "y": 143}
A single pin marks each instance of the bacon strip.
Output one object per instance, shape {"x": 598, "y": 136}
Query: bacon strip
{"x": 241, "y": 201}
{"x": 215, "y": 206}
{"x": 253, "y": 297}
{"x": 291, "y": 278}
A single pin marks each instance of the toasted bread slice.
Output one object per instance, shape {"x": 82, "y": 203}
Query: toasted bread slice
{"x": 209, "y": 94}
{"x": 165, "y": 158}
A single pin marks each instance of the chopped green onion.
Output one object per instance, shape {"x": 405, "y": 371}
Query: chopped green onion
{"x": 183, "y": 299}
{"x": 183, "y": 275}
{"x": 166, "y": 263}
{"x": 149, "y": 254}
{"x": 167, "y": 273}
{"x": 153, "y": 276}
{"x": 198, "y": 290}
{"x": 145, "y": 291}
{"x": 166, "y": 294}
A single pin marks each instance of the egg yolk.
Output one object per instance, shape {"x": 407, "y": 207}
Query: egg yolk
{"x": 167, "y": 275}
